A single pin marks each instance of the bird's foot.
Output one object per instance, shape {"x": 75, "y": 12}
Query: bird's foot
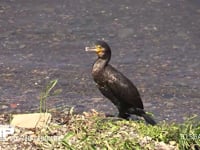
{"x": 124, "y": 116}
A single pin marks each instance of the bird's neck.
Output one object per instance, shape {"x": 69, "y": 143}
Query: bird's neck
{"x": 99, "y": 65}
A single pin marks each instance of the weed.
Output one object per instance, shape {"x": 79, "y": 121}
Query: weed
{"x": 45, "y": 94}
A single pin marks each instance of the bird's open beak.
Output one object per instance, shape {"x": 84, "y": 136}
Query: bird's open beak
{"x": 92, "y": 49}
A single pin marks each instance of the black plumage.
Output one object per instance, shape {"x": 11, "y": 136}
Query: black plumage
{"x": 115, "y": 86}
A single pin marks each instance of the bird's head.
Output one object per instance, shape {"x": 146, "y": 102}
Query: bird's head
{"x": 101, "y": 48}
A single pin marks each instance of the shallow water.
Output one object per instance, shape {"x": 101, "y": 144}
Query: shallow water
{"x": 154, "y": 43}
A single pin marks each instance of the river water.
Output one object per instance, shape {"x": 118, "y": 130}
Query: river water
{"x": 154, "y": 43}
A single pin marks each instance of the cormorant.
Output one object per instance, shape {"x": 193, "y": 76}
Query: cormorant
{"x": 115, "y": 86}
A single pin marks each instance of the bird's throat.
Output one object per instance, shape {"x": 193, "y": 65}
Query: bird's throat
{"x": 99, "y": 66}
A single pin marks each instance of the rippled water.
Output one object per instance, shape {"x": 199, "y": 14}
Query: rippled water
{"x": 154, "y": 43}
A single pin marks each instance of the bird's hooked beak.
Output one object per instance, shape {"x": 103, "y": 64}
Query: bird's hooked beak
{"x": 91, "y": 49}
{"x": 97, "y": 48}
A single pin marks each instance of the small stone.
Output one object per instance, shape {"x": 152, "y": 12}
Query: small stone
{"x": 28, "y": 133}
{"x": 172, "y": 143}
{"x": 22, "y": 46}
{"x": 164, "y": 146}
{"x": 4, "y": 106}
{"x": 35, "y": 120}
{"x": 145, "y": 140}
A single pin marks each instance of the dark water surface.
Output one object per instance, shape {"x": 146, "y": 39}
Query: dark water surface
{"x": 155, "y": 43}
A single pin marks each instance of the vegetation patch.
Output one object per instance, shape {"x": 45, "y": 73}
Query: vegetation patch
{"x": 93, "y": 131}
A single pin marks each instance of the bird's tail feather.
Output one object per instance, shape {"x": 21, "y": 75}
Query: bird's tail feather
{"x": 141, "y": 112}
{"x": 148, "y": 119}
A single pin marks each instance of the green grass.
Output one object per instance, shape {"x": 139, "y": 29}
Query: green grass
{"x": 189, "y": 134}
{"x": 45, "y": 94}
{"x": 93, "y": 131}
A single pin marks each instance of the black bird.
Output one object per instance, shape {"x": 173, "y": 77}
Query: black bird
{"x": 115, "y": 86}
